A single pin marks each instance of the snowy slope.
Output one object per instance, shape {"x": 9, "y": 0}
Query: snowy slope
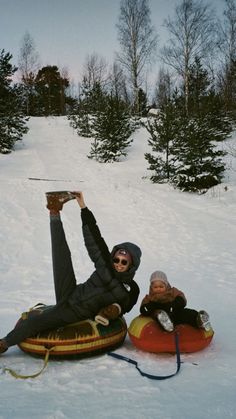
{"x": 190, "y": 237}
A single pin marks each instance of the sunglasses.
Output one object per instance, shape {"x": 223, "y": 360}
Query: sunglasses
{"x": 123, "y": 262}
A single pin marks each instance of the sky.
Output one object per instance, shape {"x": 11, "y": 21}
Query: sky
{"x": 65, "y": 32}
{"x": 188, "y": 236}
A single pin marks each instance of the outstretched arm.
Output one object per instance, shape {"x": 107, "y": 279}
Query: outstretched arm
{"x": 94, "y": 242}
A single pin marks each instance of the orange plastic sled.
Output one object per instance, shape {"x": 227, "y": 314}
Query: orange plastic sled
{"x": 147, "y": 335}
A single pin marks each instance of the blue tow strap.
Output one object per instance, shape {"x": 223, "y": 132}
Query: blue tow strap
{"x": 150, "y": 376}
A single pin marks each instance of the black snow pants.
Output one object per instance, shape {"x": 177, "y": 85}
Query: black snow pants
{"x": 64, "y": 284}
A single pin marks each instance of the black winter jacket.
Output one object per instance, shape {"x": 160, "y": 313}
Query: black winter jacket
{"x": 105, "y": 286}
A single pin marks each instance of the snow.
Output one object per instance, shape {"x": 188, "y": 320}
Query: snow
{"x": 190, "y": 237}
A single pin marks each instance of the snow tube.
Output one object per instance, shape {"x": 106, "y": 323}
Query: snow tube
{"x": 81, "y": 339}
{"x": 146, "y": 334}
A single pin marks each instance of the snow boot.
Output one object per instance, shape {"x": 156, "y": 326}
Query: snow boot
{"x": 3, "y": 346}
{"x": 56, "y": 200}
{"x": 165, "y": 321}
{"x": 203, "y": 320}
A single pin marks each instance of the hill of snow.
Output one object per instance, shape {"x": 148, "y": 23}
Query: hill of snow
{"x": 190, "y": 237}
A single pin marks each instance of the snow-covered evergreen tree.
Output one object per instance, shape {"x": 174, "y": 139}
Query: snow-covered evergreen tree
{"x": 90, "y": 102}
{"x": 81, "y": 118}
{"x": 162, "y": 130}
{"x": 200, "y": 159}
{"x": 185, "y": 150}
{"x": 12, "y": 121}
{"x": 185, "y": 146}
{"x": 113, "y": 129}
{"x": 199, "y": 165}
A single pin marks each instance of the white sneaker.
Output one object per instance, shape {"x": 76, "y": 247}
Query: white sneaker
{"x": 165, "y": 321}
{"x": 204, "y": 320}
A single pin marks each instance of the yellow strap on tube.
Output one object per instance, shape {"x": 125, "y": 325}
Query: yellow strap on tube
{"x": 16, "y": 375}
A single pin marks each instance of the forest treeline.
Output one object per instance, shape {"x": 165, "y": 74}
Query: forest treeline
{"x": 193, "y": 97}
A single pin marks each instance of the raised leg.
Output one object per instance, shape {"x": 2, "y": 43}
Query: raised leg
{"x": 63, "y": 272}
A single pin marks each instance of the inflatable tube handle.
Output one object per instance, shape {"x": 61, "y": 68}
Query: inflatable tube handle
{"x": 24, "y": 377}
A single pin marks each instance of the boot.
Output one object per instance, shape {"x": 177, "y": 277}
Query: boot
{"x": 56, "y": 200}
{"x": 3, "y": 346}
{"x": 165, "y": 321}
{"x": 203, "y": 320}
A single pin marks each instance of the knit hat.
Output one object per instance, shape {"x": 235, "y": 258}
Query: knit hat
{"x": 160, "y": 276}
{"x": 124, "y": 252}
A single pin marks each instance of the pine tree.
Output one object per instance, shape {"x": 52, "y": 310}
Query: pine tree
{"x": 12, "y": 121}
{"x": 112, "y": 128}
{"x": 91, "y": 101}
{"x": 50, "y": 88}
{"x": 84, "y": 115}
{"x": 203, "y": 100}
{"x": 186, "y": 146}
{"x": 142, "y": 103}
{"x": 199, "y": 163}
{"x": 163, "y": 130}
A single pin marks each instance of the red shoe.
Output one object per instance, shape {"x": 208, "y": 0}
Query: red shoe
{"x": 56, "y": 200}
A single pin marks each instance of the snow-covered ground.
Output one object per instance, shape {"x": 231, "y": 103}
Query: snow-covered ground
{"x": 192, "y": 238}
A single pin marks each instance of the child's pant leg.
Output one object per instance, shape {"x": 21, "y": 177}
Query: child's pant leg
{"x": 63, "y": 272}
{"x": 186, "y": 315}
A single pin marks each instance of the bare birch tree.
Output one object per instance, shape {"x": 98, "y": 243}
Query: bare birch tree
{"x": 227, "y": 48}
{"x": 28, "y": 58}
{"x": 117, "y": 83}
{"x": 164, "y": 88}
{"x": 138, "y": 42}
{"x": 95, "y": 70}
{"x": 28, "y": 63}
{"x": 227, "y": 72}
{"x": 191, "y": 35}
{"x": 227, "y": 32}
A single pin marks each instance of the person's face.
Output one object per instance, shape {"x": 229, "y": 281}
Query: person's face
{"x": 121, "y": 263}
{"x": 158, "y": 287}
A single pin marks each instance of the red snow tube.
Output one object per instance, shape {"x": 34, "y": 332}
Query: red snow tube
{"x": 81, "y": 339}
{"x": 147, "y": 335}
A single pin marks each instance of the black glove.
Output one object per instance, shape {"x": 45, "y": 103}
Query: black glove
{"x": 178, "y": 303}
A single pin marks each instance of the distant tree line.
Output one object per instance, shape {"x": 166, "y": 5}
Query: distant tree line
{"x": 12, "y": 119}
{"x": 194, "y": 95}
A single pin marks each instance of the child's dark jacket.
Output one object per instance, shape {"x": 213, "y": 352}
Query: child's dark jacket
{"x": 171, "y": 300}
